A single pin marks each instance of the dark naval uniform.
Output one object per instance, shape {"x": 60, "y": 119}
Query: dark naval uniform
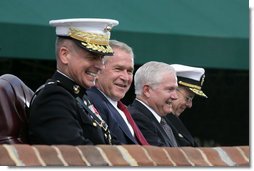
{"x": 182, "y": 135}
{"x": 59, "y": 115}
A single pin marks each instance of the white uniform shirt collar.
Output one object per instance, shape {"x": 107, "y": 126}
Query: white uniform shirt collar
{"x": 158, "y": 117}
{"x": 114, "y": 103}
{"x": 64, "y": 75}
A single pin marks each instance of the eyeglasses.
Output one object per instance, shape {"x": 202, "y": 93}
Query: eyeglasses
{"x": 187, "y": 98}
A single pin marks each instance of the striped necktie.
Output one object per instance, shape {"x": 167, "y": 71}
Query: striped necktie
{"x": 169, "y": 132}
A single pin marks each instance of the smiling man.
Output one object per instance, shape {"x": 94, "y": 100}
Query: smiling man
{"x": 190, "y": 82}
{"x": 155, "y": 88}
{"x": 111, "y": 86}
{"x": 60, "y": 113}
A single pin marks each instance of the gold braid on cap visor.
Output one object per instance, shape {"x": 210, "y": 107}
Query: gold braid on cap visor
{"x": 196, "y": 89}
{"x": 189, "y": 85}
{"x": 97, "y": 42}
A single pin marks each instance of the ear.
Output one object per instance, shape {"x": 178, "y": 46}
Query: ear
{"x": 146, "y": 90}
{"x": 64, "y": 55}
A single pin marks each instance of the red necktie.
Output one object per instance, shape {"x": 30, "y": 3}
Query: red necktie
{"x": 139, "y": 136}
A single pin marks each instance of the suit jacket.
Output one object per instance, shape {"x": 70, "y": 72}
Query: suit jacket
{"x": 148, "y": 125}
{"x": 182, "y": 135}
{"x": 111, "y": 116}
{"x": 57, "y": 118}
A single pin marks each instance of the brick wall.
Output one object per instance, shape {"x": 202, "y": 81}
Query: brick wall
{"x": 126, "y": 155}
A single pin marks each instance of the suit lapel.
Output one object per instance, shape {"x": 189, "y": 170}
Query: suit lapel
{"x": 115, "y": 115}
{"x": 150, "y": 115}
{"x": 121, "y": 123}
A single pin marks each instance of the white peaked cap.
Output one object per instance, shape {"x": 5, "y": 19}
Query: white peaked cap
{"x": 190, "y": 77}
{"x": 92, "y": 33}
{"x": 194, "y": 73}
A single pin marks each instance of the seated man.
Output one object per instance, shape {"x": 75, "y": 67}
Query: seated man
{"x": 60, "y": 112}
{"x": 155, "y": 88}
{"x": 111, "y": 86}
{"x": 190, "y": 81}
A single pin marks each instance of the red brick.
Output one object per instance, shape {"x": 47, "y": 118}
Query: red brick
{"x": 92, "y": 155}
{"x": 213, "y": 156}
{"x": 71, "y": 155}
{"x": 177, "y": 156}
{"x": 5, "y": 159}
{"x": 27, "y": 155}
{"x": 195, "y": 156}
{"x": 246, "y": 150}
{"x": 126, "y": 155}
{"x": 139, "y": 155}
{"x": 113, "y": 155}
{"x": 49, "y": 155}
{"x": 235, "y": 156}
{"x": 159, "y": 156}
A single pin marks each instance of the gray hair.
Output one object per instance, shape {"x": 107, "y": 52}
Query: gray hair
{"x": 150, "y": 74}
{"x": 60, "y": 41}
{"x": 114, "y": 44}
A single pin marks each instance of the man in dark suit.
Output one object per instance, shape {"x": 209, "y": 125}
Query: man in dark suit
{"x": 60, "y": 113}
{"x": 111, "y": 86}
{"x": 155, "y": 88}
{"x": 190, "y": 81}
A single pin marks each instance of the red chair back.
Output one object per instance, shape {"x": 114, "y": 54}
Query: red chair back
{"x": 15, "y": 97}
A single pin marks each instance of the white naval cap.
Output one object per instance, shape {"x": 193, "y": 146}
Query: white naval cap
{"x": 92, "y": 34}
{"x": 190, "y": 77}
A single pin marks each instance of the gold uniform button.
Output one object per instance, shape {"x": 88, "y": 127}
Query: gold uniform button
{"x": 76, "y": 89}
{"x": 94, "y": 124}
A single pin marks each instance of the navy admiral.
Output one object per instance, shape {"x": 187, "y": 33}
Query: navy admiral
{"x": 190, "y": 81}
{"x": 60, "y": 112}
